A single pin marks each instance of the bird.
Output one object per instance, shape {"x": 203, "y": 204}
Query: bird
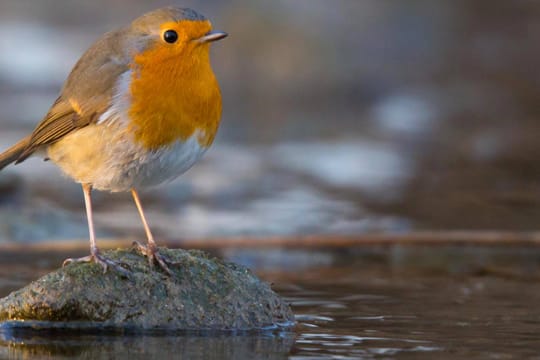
{"x": 139, "y": 108}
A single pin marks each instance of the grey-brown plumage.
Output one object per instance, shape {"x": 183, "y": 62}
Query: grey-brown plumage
{"x": 86, "y": 94}
{"x": 13, "y": 153}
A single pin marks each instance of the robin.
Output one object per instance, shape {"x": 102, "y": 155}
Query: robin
{"x": 139, "y": 108}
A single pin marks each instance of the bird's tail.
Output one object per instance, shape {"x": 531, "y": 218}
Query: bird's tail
{"x": 13, "y": 153}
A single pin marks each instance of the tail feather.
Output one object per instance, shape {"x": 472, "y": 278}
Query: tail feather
{"x": 12, "y": 154}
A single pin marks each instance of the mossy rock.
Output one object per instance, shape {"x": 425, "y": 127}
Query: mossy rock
{"x": 203, "y": 293}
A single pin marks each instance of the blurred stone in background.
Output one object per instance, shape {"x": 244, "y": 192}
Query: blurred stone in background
{"x": 339, "y": 117}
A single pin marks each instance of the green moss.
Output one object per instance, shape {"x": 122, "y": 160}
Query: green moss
{"x": 203, "y": 293}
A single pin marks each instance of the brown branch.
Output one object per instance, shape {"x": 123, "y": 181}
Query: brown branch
{"x": 423, "y": 238}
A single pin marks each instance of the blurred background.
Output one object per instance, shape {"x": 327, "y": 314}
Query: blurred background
{"x": 340, "y": 117}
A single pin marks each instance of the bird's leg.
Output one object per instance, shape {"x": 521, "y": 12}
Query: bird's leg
{"x": 151, "y": 250}
{"x": 95, "y": 255}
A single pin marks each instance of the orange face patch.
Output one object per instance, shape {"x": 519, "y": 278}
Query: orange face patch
{"x": 174, "y": 92}
{"x": 187, "y": 30}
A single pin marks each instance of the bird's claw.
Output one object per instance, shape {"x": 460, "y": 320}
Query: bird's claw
{"x": 152, "y": 253}
{"x": 100, "y": 260}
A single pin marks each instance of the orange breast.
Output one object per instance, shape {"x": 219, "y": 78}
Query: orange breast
{"x": 173, "y": 98}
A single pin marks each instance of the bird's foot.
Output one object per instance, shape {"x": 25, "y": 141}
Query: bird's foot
{"x": 97, "y": 258}
{"x": 152, "y": 253}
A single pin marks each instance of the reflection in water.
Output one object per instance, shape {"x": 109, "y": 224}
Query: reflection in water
{"x": 39, "y": 345}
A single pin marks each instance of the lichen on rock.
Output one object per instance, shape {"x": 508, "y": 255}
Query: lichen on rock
{"x": 203, "y": 293}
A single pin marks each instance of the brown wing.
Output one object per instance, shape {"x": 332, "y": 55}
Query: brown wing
{"x": 86, "y": 94}
{"x": 63, "y": 118}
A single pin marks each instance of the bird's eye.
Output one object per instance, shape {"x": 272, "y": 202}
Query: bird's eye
{"x": 170, "y": 36}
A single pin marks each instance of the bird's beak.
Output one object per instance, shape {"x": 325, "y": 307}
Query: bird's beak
{"x": 212, "y": 36}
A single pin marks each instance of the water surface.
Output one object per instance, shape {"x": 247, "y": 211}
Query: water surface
{"x": 355, "y": 304}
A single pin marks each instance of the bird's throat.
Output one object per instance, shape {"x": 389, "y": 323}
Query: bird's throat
{"x": 173, "y": 99}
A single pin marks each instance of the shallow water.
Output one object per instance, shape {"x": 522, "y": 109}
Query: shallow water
{"x": 399, "y": 303}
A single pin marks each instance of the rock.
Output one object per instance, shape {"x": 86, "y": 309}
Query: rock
{"x": 204, "y": 293}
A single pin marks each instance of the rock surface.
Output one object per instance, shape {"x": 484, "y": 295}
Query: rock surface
{"x": 204, "y": 293}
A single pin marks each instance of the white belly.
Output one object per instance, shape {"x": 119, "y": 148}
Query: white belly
{"x": 107, "y": 158}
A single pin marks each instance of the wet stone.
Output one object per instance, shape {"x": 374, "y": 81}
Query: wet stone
{"x": 203, "y": 293}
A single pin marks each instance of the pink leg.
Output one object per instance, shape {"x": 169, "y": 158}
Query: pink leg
{"x": 94, "y": 256}
{"x": 151, "y": 250}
